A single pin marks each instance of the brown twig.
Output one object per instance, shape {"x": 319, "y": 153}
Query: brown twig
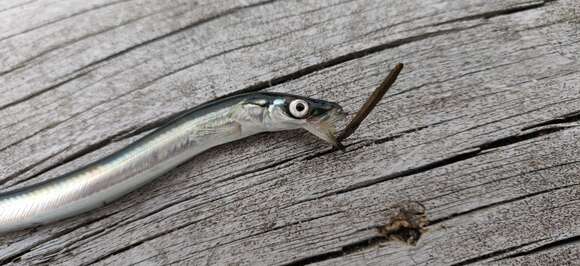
{"x": 370, "y": 104}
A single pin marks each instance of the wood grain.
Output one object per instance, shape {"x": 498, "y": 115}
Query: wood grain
{"x": 479, "y": 129}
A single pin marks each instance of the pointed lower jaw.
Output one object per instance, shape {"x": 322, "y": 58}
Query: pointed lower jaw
{"x": 324, "y": 132}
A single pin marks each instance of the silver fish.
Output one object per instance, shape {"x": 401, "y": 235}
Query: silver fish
{"x": 208, "y": 125}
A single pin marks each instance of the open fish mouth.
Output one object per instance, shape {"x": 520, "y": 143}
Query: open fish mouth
{"x": 324, "y": 127}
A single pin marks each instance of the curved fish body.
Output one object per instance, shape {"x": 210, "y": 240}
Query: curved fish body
{"x": 197, "y": 130}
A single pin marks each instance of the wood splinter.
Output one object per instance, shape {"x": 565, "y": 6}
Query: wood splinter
{"x": 370, "y": 104}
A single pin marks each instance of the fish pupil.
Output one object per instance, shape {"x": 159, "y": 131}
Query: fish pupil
{"x": 300, "y": 107}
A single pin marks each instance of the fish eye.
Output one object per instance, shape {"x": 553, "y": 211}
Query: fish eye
{"x": 299, "y": 108}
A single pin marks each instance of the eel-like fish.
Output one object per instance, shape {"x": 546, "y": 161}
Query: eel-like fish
{"x": 208, "y": 125}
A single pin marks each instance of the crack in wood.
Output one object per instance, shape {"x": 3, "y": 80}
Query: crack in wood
{"x": 140, "y": 242}
{"x": 495, "y": 253}
{"x": 465, "y": 155}
{"x": 406, "y": 225}
{"x": 571, "y": 117}
{"x": 128, "y": 221}
{"x": 32, "y": 95}
{"x": 50, "y": 49}
{"x": 495, "y": 204}
{"x": 67, "y": 159}
{"x": 357, "y": 145}
{"x": 177, "y": 31}
{"x": 497, "y": 13}
{"x": 28, "y": 168}
{"x": 149, "y": 238}
{"x": 64, "y": 249}
{"x": 14, "y": 258}
{"x": 64, "y": 18}
{"x": 17, "y": 5}
{"x": 276, "y": 228}
{"x": 503, "y": 178}
{"x": 545, "y": 247}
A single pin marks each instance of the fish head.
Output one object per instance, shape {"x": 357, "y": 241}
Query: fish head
{"x": 286, "y": 112}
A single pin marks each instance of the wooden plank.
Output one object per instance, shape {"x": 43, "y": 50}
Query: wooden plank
{"x": 449, "y": 136}
{"x": 142, "y": 71}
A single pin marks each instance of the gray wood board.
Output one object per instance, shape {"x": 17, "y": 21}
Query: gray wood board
{"x": 479, "y": 129}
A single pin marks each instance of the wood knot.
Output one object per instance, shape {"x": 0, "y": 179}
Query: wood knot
{"x": 407, "y": 224}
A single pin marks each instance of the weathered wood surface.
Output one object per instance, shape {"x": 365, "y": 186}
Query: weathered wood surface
{"x": 479, "y": 129}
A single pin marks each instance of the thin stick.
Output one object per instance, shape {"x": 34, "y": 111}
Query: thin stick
{"x": 370, "y": 104}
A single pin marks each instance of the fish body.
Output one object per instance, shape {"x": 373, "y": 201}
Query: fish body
{"x": 201, "y": 128}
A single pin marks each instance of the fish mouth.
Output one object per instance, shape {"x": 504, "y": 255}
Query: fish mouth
{"x": 324, "y": 127}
